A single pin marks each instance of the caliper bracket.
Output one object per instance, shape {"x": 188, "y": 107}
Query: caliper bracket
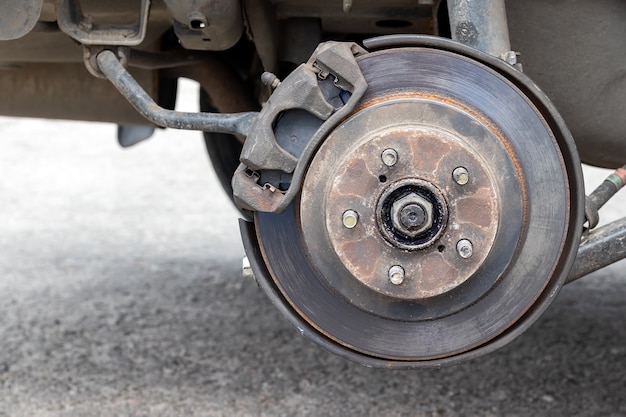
{"x": 305, "y": 89}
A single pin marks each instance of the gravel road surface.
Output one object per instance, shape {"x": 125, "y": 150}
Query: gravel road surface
{"x": 121, "y": 295}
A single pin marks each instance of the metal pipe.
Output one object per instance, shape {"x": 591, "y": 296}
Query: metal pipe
{"x": 602, "y": 247}
{"x": 114, "y": 71}
{"x": 480, "y": 24}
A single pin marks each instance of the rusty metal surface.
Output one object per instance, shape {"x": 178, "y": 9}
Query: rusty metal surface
{"x": 347, "y": 173}
{"x": 420, "y": 334}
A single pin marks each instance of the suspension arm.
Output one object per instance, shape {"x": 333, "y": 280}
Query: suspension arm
{"x": 602, "y": 247}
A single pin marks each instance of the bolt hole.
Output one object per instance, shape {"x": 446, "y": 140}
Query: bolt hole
{"x": 441, "y": 248}
{"x": 382, "y": 178}
{"x": 197, "y": 24}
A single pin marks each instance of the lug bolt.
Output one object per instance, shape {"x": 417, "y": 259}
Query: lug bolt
{"x": 460, "y": 175}
{"x": 350, "y": 218}
{"x": 396, "y": 274}
{"x": 389, "y": 157}
{"x": 464, "y": 248}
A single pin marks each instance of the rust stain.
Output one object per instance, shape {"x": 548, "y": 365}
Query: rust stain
{"x": 352, "y": 179}
{"x": 362, "y": 250}
{"x": 492, "y": 128}
{"x": 438, "y": 275}
{"x": 428, "y": 150}
{"x": 476, "y": 209}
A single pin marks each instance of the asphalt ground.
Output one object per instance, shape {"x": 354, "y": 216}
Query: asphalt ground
{"x": 121, "y": 295}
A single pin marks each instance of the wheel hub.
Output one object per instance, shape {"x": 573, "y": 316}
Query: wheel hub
{"x": 411, "y": 213}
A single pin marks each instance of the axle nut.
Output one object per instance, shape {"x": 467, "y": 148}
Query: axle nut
{"x": 412, "y": 214}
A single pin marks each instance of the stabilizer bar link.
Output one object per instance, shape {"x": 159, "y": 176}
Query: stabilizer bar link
{"x": 233, "y": 123}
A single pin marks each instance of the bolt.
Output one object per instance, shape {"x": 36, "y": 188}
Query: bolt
{"x": 350, "y": 218}
{"x": 510, "y": 57}
{"x": 412, "y": 216}
{"x": 464, "y": 248}
{"x": 460, "y": 175}
{"x": 389, "y": 157}
{"x": 270, "y": 80}
{"x": 396, "y": 275}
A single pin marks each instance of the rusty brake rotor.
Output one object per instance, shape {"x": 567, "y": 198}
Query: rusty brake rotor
{"x": 442, "y": 215}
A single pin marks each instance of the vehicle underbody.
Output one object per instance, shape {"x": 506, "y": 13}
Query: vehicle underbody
{"x": 408, "y": 172}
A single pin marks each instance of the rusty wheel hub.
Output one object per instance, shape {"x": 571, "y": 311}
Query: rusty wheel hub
{"x": 411, "y": 210}
{"x": 436, "y": 222}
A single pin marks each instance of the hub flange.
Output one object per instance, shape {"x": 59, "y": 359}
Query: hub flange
{"x": 348, "y": 174}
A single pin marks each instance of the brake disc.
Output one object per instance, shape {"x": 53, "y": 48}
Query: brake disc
{"x": 436, "y": 222}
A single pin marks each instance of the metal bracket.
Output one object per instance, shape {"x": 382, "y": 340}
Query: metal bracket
{"x": 81, "y": 28}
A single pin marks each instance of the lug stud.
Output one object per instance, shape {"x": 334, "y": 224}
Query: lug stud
{"x": 350, "y": 219}
{"x": 396, "y": 275}
{"x": 464, "y": 248}
{"x": 389, "y": 157}
{"x": 460, "y": 175}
